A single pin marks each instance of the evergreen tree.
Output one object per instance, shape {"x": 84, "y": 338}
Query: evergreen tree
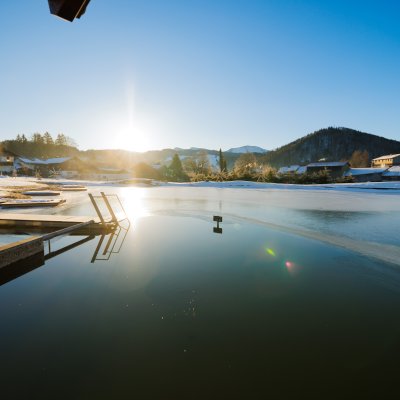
{"x": 37, "y": 138}
{"x": 175, "y": 170}
{"x": 222, "y": 162}
{"x": 19, "y": 139}
{"x": 61, "y": 140}
{"x": 24, "y": 139}
{"x": 47, "y": 138}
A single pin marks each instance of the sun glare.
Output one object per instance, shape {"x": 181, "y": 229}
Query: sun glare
{"x": 134, "y": 200}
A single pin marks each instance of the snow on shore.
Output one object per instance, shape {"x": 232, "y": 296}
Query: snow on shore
{"x": 381, "y": 187}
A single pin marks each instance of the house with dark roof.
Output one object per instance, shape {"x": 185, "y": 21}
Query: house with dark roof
{"x": 66, "y": 167}
{"x": 335, "y": 169}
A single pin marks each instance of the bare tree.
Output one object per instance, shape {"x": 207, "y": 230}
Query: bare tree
{"x": 359, "y": 159}
{"x": 246, "y": 165}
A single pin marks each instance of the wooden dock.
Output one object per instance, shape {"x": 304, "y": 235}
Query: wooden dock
{"x": 57, "y": 225}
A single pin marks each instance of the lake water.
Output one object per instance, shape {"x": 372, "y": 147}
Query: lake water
{"x": 299, "y": 294}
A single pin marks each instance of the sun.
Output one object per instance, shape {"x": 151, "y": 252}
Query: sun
{"x": 135, "y": 141}
{"x": 132, "y": 140}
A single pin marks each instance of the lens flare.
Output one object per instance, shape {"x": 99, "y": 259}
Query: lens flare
{"x": 271, "y": 252}
{"x": 292, "y": 268}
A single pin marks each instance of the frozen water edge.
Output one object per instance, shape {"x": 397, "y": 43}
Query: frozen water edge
{"x": 392, "y": 187}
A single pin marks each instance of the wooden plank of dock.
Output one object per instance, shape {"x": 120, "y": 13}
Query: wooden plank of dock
{"x": 46, "y": 221}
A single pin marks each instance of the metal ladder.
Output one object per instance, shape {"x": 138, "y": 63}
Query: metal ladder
{"x": 105, "y": 197}
{"x": 113, "y": 245}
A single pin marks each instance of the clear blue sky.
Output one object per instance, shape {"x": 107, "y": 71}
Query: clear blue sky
{"x": 150, "y": 74}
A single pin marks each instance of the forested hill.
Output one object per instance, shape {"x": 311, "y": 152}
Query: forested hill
{"x": 331, "y": 144}
{"x": 41, "y": 146}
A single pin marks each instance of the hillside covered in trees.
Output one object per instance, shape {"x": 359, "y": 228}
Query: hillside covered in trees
{"x": 330, "y": 144}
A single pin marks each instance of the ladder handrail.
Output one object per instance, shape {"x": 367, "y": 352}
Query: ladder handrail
{"x": 119, "y": 201}
{"x": 108, "y": 205}
{"x": 64, "y": 231}
{"x": 96, "y": 207}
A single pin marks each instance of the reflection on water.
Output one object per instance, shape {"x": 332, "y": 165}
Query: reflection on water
{"x": 180, "y": 312}
{"x": 107, "y": 245}
{"x": 218, "y": 220}
{"x": 364, "y": 225}
{"x": 135, "y": 202}
{"x": 114, "y": 243}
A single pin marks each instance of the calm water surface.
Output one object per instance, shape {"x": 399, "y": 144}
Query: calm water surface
{"x": 288, "y": 299}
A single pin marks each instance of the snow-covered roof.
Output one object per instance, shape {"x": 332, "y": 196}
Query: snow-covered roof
{"x": 56, "y": 160}
{"x": 392, "y": 171}
{"x": 110, "y": 170}
{"x": 49, "y": 161}
{"x": 301, "y": 170}
{"x": 27, "y": 160}
{"x": 328, "y": 164}
{"x": 364, "y": 171}
{"x": 286, "y": 170}
{"x": 387, "y": 156}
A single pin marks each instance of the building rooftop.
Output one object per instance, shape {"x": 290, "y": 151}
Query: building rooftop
{"x": 385, "y": 157}
{"x": 286, "y": 170}
{"x": 364, "y": 171}
{"x": 49, "y": 161}
{"x": 328, "y": 164}
{"x": 393, "y": 171}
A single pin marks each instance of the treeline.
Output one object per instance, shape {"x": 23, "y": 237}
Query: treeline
{"x": 193, "y": 168}
{"x": 247, "y": 167}
{"x": 42, "y": 146}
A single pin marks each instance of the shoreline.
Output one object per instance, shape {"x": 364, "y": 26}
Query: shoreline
{"x": 10, "y": 184}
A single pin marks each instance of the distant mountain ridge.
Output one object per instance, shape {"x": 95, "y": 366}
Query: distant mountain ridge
{"x": 331, "y": 144}
{"x": 247, "y": 149}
